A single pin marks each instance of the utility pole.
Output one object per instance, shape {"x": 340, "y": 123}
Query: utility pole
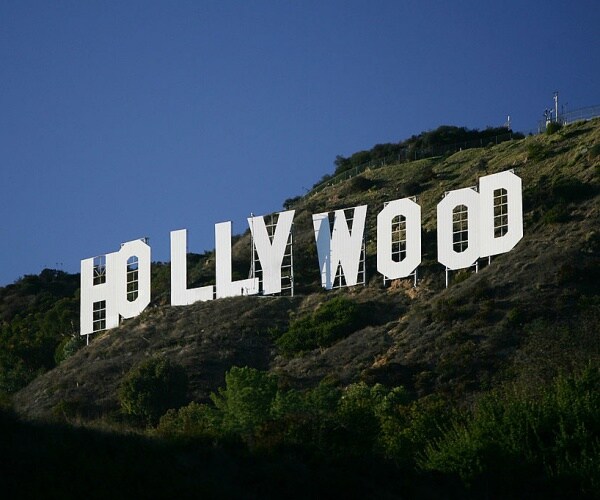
{"x": 556, "y": 107}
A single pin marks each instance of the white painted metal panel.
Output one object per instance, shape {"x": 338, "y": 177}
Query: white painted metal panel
{"x": 386, "y": 265}
{"x": 323, "y": 240}
{"x": 446, "y": 253}
{"x": 225, "y": 286}
{"x": 91, "y": 293}
{"x": 488, "y": 243}
{"x": 270, "y": 254}
{"x": 340, "y": 246}
{"x": 140, "y": 249}
{"x": 181, "y": 295}
{"x": 114, "y": 290}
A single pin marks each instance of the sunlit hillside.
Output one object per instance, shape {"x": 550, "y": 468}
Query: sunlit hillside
{"x": 489, "y": 385}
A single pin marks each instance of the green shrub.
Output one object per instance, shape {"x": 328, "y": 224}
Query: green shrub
{"x": 14, "y": 373}
{"x": 68, "y": 346}
{"x": 536, "y": 151}
{"x": 245, "y": 402}
{"x": 360, "y": 183}
{"x": 515, "y": 316}
{"x": 481, "y": 164}
{"x": 422, "y": 175}
{"x": 151, "y": 388}
{"x": 558, "y": 213}
{"x": 36, "y": 313}
{"x": 461, "y": 276}
{"x": 289, "y": 203}
{"x": 407, "y": 428}
{"x": 332, "y": 320}
{"x": 410, "y": 188}
{"x": 448, "y": 310}
{"x": 67, "y": 409}
{"x": 357, "y": 426}
{"x": 513, "y": 439}
{"x": 358, "y": 421}
{"x": 191, "y": 421}
{"x": 553, "y": 198}
{"x": 241, "y": 409}
{"x": 572, "y": 190}
{"x": 553, "y": 127}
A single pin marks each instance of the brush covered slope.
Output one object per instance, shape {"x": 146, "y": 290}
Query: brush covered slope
{"x": 530, "y": 313}
{"x": 387, "y": 388}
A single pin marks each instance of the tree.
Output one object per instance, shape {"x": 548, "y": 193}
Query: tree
{"x": 151, "y": 388}
{"x": 246, "y": 399}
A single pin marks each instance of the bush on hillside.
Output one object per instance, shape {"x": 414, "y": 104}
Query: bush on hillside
{"x": 192, "y": 421}
{"x": 572, "y": 190}
{"x": 36, "y": 313}
{"x": 513, "y": 439}
{"x": 553, "y": 127}
{"x": 545, "y": 439}
{"x": 551, "y": 199}
{"x": 444, "y": 139}
{"x": 289, "y": 203}
{"x": 246, "y": 400}
{"x": 360, "y": 183}
{"x": 69, "y": 346}
{"x": 333, "y": 320}
{"x": 14, "y": 373}
{"x": 151, "y": 388}
{"x": 536, "y": 151}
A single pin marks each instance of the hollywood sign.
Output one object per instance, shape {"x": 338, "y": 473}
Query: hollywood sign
{"x": 471, "y": 224}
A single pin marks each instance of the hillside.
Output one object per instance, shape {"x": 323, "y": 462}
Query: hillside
{"x": 523, "y": 319}
{"x": 483, "y": 328}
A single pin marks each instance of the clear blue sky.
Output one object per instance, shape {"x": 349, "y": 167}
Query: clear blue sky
{"x": 120, "y": 120}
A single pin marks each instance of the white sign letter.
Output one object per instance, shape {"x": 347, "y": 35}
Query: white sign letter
{"x": 339, "y": 247}
{"x": 501, "y": 221}
{"x": 496, "y": 213}
{"x": 458, "y": 222}
{"x": 411, "y": 212}
{"x": 113, "y": 285}
{"x": 181, "y": 295}
{"x": 226, "y": 287}
{"x": 270, "y": 253}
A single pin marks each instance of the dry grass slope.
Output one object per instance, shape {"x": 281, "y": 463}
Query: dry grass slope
{"x": 524, "y": 317}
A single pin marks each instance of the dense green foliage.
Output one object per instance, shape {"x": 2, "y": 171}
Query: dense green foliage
{"x": 442, "y": 140}
{"x": 359, "y": 420}
{"x": 512, "y": 442}
{"x": 126, "y": 465}
{"x": 261, "y": 440}
{"x": 549, "y": 440}
{"x": 68, "y": 347}
{"x": 151, "y": 388}
{"x": 38, "y": 316}
{"x": 245, "y": 401}
{"x": 553, "y": 127}
{"x": 553, "y": 198}
{"x": 331, "y": 321}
